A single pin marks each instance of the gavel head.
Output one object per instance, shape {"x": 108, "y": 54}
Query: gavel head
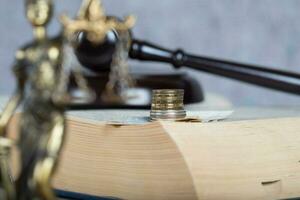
{"x": 96, "y": 56}
{"x": 39, "y": 12}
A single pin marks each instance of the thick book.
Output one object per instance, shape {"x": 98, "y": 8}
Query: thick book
{"x": 254, "y": 158}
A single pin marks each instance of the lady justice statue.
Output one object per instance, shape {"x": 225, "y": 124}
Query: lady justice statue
{"x": 41, "y": 73}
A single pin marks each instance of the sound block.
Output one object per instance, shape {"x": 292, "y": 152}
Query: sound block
{"x": 140, "y": 95}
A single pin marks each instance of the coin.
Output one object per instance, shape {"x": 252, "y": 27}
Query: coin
{"x": 167, "y": 104}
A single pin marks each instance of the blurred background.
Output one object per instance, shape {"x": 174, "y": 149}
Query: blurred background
{"x": 263, "y": 32}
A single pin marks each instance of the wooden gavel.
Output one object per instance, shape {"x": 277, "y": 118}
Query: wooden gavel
{"x": 99, "y": 57}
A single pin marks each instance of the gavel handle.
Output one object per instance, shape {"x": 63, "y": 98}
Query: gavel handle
{"x": 270, "y": 78}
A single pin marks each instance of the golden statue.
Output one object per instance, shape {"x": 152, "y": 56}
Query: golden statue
{"x": 42, "y": 88}
{"x": 38, "y": 69}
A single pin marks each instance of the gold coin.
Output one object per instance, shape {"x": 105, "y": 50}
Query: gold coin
{"x": 167, "y": 105}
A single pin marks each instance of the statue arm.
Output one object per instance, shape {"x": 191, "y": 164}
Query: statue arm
{"x": 15, "y": 100}
{"x": 6, "y": 180}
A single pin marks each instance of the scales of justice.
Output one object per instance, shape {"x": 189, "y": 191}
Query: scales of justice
{"x": 85, "y": 67}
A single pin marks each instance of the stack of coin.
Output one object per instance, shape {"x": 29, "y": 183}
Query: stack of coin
{"x": 167, "y": 105}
